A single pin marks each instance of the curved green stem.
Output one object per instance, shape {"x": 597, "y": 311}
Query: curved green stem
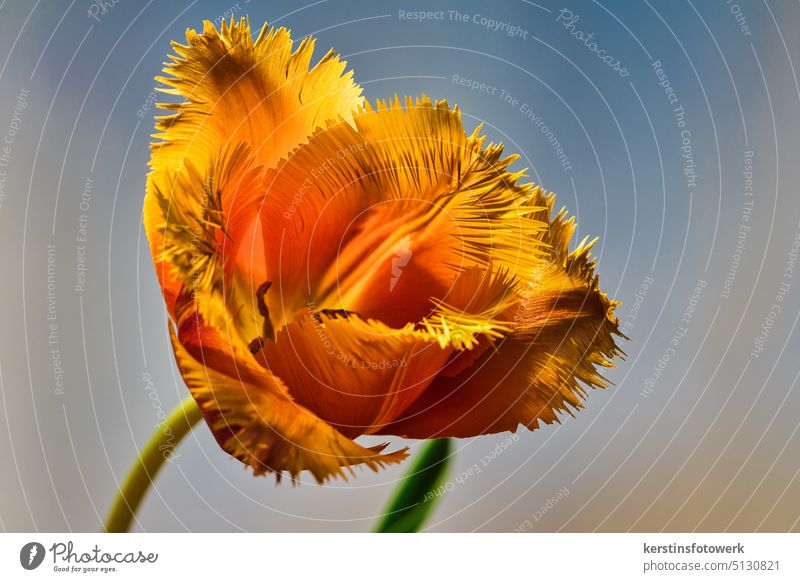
{"x": 416, "y": 496}
{"x": 158, "y": 449}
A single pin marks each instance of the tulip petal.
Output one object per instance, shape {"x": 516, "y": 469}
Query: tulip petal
{"x": 563, "y": 332}
{"x": 333, "y": 269}
{"x": 188, "y": 229}
{"x": 388, "y": 211}
{"x": 361, "y": 375}
{"x": 259, "y": 92}
{"x": 259, "y": 96}
{"x": 169, "y": 281}
{"x": 254, "y": 418}
{"x": 357, "y": 375}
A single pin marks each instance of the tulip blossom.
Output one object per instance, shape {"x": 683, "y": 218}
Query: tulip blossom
{"x": 334, "y": 268}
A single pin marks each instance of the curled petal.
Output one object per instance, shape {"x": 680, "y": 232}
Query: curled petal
{"x": 184, "y": 216}
{"x": 259, "y": 92}
{"x": 334, "y": 269}
{"x": 357, "y": 375}
{"x": 169, "y": 281}
{"x": 260, "y": 97}
{"x": 389, "y": 210}
{"x": 563, "y": 330}
{"x": 254, "y": 418}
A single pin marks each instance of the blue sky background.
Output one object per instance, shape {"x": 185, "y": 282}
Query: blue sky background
{"x": 707, "y": 445}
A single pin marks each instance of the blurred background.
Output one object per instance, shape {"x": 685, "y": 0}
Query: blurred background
{"x": 669, "y": 128}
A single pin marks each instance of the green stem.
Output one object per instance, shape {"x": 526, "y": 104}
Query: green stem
{"x": 416, "y": 496}
{"x": 158, "y": 449}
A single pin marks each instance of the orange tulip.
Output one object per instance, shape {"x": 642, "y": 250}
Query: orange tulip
{"x": 334, "y": 268}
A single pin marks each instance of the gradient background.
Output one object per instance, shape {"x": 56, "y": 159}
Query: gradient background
{"x": 713, "y": 446}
